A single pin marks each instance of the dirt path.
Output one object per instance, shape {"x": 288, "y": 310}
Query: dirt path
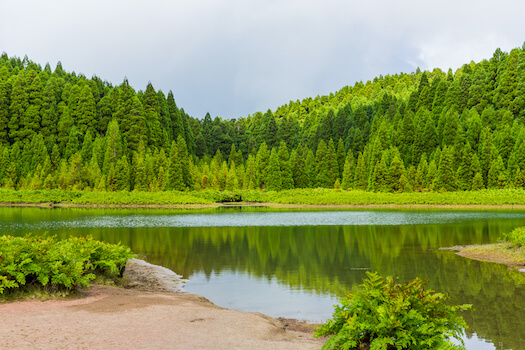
{"x": 145, "y": 317}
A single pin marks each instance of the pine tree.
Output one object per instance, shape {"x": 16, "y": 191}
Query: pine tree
{"x": 19, "y": 105}
{"x": 152, "y": 116}
{"x": 465, "y": 173}
{"x": 122, "y": 175}
{"x": 477, "y": 182}
{"x": 111, "y": 181}
{"x": 361, "y": 180}
{"x": 261, "y": 163}
{"x": 310, "y": 168}
{"x": 139, "y": 170}
{"x": 113, "y": 149}
{"x": 322, "y": 169}
{"x": 73, "y": 143}
{"x": 446, "y": 177}
{"x": 348, "y": 173}
{"x": 286, "y": 170}
{"x": 176, "y": 121}
{"x": 378, "y": 181}
{"x": 274, "y": 178}
{"x": 86, "y": 112}
{"x": 5, "y": 88}
{"x": 395, "y": 173}
{"x": 49, "y": 114}
{"x": 496, "y": 175}
{"x": 176, "y": 177}
{"x": 65, "y": 124}
{"x": 182, "y": 152}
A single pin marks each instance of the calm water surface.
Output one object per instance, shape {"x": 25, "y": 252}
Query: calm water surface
{"x": 299, "y": 263}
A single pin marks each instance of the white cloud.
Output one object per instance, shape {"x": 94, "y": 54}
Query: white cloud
{"x": 233, "y": 57}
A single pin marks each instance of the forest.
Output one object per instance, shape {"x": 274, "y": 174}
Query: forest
{"x": 425, "y": 131}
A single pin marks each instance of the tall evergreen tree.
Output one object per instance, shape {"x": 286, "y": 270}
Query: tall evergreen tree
{"x": 285, "y": 167}
{"x": 274, "y": 178}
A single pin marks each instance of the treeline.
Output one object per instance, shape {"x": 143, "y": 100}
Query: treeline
{"x": 424, "y": 131}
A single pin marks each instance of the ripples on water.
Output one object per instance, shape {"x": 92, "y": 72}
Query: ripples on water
{"x": 322, "y": 218}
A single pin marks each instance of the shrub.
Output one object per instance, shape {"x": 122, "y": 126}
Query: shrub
{"x": 45, "y": 263}
{"x": 382, "y": 314}
{"x": 516, "y": 237}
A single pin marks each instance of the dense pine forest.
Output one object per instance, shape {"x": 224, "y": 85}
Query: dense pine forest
{"x": 424, "y": 131}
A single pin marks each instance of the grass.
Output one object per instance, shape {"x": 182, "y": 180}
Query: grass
{"x": 500, "y": 252}
{"x": 307, "y": 197}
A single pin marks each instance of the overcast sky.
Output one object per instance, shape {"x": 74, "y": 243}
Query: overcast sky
{"x": 235, "y": 57}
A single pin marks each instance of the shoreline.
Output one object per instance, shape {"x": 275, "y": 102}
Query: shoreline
{"x": 150, "y": 312}
{"x": 52, "y": 205}
{"x": 499, "y": 253}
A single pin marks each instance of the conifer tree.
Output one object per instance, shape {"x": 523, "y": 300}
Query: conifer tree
{"x": 86, "y": 112}
{"x": 250, "y": 179}
{"x": 65, "y": 124}
{"x": 298, "y": 166}
{"x": 5, "y": 89}
{"x": 361, "y": 180}
{"x": 348, "y": 173}
{"x": 431, "y": 175}
{"x": 284, "y": 164}
{"x": 182, "y": 152}
{"x": 445, "y": 178}
{"x": 19, "y": 105}
{"x": 465, "y": 173}
{"x": 395, "y": 174}
{"x": 113, "y": 150}
{"x": 152, "y": 116}
{"x": 122, "y": 175}
{"x": 111, "y": 184}
{"x": 176, "y": 120}
{"x": 496, "y": 174}
{"x": 73, "y": 143}
{"x": 261, "y": 163}
{"x": 176, "y": 177}
{"x": 139, "y": 171}
{"x": 274, "y": 178}
{"x": 310, "y": 168}
{"x": 378, "y": 180}
{"x": 341, "y": 157}
{"x": 322, "y": 162}
{"x": 477, "y": 182}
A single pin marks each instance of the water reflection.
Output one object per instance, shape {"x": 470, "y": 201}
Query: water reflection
{"x": 267, "y": 261}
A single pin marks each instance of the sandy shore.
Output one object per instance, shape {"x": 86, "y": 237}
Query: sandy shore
{"x": 149, "y": 314}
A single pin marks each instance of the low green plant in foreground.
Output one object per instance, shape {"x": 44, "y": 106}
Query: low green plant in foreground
{"x": 382, "y": 314}
{"x": 516, "y": 237}
{"x": 44, "y": 263}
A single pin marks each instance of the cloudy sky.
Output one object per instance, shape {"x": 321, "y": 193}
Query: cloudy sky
{"x": 235, "y": 57}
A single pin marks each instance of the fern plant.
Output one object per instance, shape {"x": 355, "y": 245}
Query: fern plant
{"x": 382, "y": 314}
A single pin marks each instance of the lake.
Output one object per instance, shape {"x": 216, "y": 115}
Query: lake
{"x": 298, "y": 263}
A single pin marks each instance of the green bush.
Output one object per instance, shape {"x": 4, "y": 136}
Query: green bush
{"x": 382, "y": 314}
{"x": 46, "y": 263}
{"x": 516, "y": 237}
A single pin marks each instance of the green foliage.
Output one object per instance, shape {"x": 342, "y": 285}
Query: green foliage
{"x": 50, "y": 264}
{"x": 516, "y": 237}
{"x": 448, "y": 126}
{"x": 382, "y": 314}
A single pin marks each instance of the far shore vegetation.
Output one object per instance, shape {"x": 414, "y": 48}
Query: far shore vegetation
{"x": 510, "y": 198}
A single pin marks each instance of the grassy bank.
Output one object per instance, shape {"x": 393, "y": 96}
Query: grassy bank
{"x": 511, "y": 251}
{"x": 499, "y": 253}
{"x": 305, "y": 197}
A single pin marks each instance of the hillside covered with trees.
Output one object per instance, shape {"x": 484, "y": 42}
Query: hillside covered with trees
{"x": 424, "y": 131}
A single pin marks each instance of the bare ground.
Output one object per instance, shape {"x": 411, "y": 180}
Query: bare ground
{"x": 146, "y": 315}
